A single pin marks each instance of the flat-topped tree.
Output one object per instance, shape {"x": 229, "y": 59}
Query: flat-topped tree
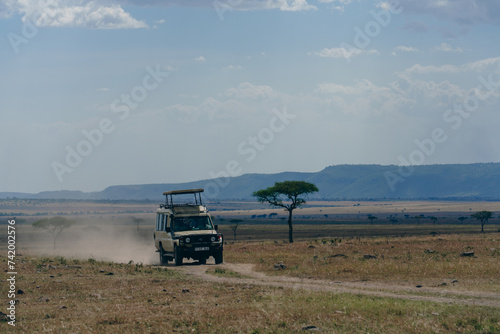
{"x": 54, "y": 225}
{"x": 286, "y": 195}
{"x": 483, "y": 217}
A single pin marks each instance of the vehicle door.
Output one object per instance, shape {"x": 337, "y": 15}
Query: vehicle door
{"x": 169, "y": 241}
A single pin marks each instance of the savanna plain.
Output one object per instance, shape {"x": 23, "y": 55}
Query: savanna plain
{"x": 418, "y": 267}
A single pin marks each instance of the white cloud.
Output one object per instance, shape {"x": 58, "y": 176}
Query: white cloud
{"x": 200, "y": 59}
{"x": 337, "y": 4}
{"x": 448, "y": 48}
{"x": 417, "y": 68}
{"x": 343, "y": 52}
{"x": 73, "y": 13}
{"x": 233, "y": 68}
{"x": 406, "y": 48}
{"x": 364, "y": 98}
{"x": 489, "y": 65}
{"x": 403, "y": 48}
{"x": 284, "y": 5}
{"x": 464, "y": 12}
{"x": 248, "y": 90}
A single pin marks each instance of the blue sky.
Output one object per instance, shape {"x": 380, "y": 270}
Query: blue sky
{"x": 100, "y": 93}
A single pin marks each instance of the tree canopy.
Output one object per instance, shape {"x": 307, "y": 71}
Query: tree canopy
{"x": 286, "y": 194}
{"x": 483, "y": 217}
{"x": 54, "y": 225}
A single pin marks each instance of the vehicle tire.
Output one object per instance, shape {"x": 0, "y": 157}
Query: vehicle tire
{"x": 203, "y": 260}
{"x": 163, "y": 259}
{"x": 219, "y": 257}
{"x": 177, "y": 256}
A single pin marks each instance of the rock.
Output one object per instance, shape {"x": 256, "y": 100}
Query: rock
{"x": 62, "y": 307}
{"x": 467, "y": 254}
{"x": 418, "y": 286}
{"x": 369, "y": 256}
{"x": 20, "y": 292}
{"x": 454, "y": 281}
{"x": 185, "y": 290}
{"x": 429, "y": 251}
{"x": 311, "y": 246}
{"x": 109, "y": 274}
{"x": 279, "y": 266}
{"x": 338, "y": 255}
{"x": 443, "y": 284}
{"x": 43, "y": 299}
{"x": 310, "y": 328}
{"x": 97, "y": 295}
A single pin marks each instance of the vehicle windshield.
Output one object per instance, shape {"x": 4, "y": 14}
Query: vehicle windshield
{"x": 192, "y": 223}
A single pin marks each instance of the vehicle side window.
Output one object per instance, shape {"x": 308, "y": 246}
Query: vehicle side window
{"x": 157, "y": 222}
{"x": 164, "y": 222}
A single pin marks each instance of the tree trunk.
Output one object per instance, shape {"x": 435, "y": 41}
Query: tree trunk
{"x": 290, "y": 227}
{"x": 482, "y": 227}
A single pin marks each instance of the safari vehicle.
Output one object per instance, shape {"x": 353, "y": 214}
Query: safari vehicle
{"x": 186, "y": 230}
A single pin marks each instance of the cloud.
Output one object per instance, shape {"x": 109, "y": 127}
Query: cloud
{"x": 250, "y": 91}
{"x": 488, "y": 65}
{"x": 233, "y": 68}
{"x": 201, "y": 59}
{"x": 342, "y": 53}
{"x": 283, "y": 5}
{"x": 464, "y": 12}
{"x": 448, "y": 48}
{"x": 420, "y": 69}
{"x": 403, "y": 48}
{"x": 72, "y": 13}
{"x": 364, "y": 98}
{"x": 337, "y": 4}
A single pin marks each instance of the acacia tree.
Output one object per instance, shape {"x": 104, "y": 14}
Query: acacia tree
{"x": 54, "y": 225}
{"x": 483, "y": 217}
{"x": 371, "y": 218}
{"x": 234, "y": 227}
{"x": 290, "y": 192}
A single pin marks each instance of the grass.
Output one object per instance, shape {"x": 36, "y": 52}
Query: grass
{"x": 425, "y": 260}
{"x": 224, "y": 272}
{"x": 67, "y": 296}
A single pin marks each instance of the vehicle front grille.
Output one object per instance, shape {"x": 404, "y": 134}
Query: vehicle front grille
{"x": 199, "y": 239}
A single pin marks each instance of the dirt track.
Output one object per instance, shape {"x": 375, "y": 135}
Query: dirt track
{"x": 252, "y": 277}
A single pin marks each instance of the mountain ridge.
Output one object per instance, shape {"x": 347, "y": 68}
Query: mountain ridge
{"x": 445, "y": 181}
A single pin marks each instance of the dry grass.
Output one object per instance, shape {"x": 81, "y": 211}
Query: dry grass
{"x": 424, "y": 260}
{"x": 79, "y": 296}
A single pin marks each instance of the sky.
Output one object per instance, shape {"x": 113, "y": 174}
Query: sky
{"x": 104, "y": 92}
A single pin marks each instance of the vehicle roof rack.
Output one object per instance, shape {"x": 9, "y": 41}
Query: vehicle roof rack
{"x": 185, "y": 191}
{"x": 169, "y": 201}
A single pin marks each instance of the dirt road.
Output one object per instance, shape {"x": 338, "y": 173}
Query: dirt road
{"x": 379, "y": 289}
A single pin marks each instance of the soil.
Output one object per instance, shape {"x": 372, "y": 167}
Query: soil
{"x": 377, "y": 289}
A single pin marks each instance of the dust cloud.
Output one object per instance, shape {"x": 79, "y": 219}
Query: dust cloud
{"x": 100, "y": 240}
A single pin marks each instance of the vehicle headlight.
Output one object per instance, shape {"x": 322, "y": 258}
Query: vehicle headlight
{"x": 213, "y": 239}
{"x": 188, "y": 240}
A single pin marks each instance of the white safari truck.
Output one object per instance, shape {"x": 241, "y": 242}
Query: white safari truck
{"x": 186, "y": 230}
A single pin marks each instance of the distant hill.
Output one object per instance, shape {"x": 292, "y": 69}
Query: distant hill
{"x": 459, "y": 181}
